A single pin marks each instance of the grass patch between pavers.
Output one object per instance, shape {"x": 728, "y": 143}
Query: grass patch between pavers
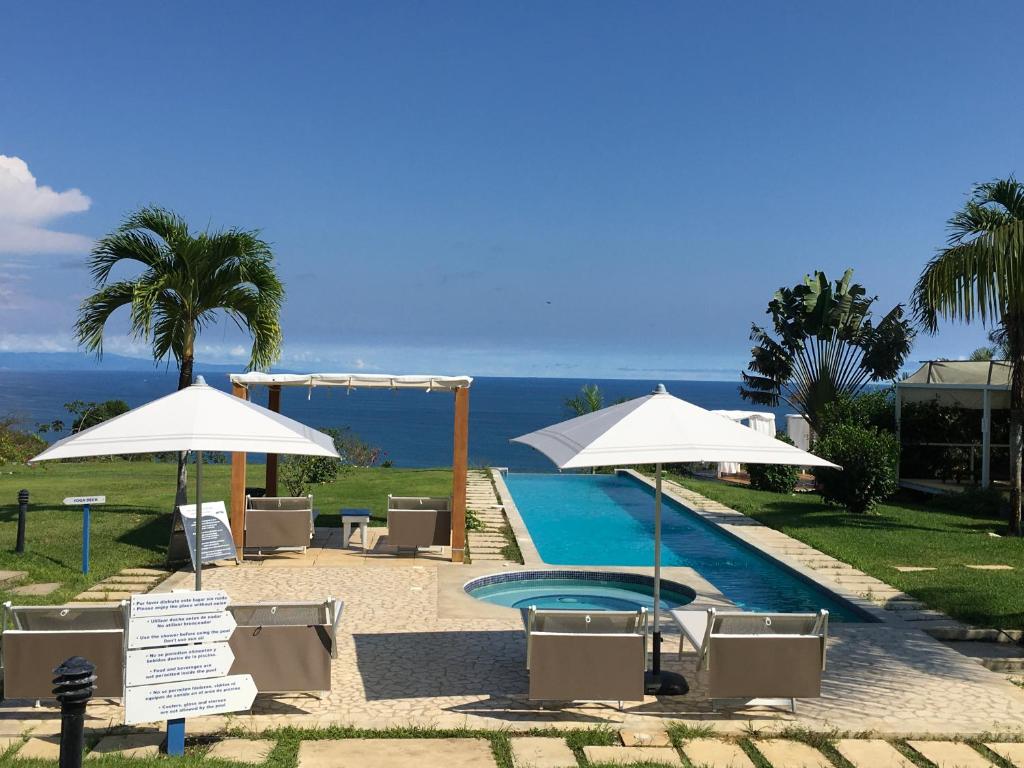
{"x": 903, "y": 531}
{"x": 131, "y": 529}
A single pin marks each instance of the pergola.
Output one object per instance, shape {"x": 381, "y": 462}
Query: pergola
{"x": 976, "y": 385}
{"x": 242, "y": 384}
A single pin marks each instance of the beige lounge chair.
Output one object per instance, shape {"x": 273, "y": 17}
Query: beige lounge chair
{"x": 278, "y": 522}
{"x": 419, "y": 521}
{"x": 580, "y": 656}
{"x": 761, "y": 658}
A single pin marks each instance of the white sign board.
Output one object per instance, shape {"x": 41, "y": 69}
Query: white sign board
{"x": 170, "y": 603}
{"x": 193, "y": 698}
{"x": 184, "y": 662}
{"x": 218, "y": 543}
{"x": 81, "y": 500}
{"x": 180, "y": 629}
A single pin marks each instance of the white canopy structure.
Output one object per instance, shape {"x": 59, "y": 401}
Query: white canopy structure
{"x": 976, "y": 385}
{"x": 198, "y": 418}
{"x": 659, "y": 429}
{"x": 759, "y": 421}
{"x": 242, "y": 384}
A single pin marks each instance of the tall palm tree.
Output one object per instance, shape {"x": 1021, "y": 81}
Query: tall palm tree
{"x": 980, "y": 275}
{"x": 188, "y": 279}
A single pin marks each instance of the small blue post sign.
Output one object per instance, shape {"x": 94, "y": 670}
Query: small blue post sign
{"x": 85, "y": 502}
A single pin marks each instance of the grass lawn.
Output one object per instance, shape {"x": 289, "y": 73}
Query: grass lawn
{"x": 131, "y": 529}
{"x": 902, "y": 532}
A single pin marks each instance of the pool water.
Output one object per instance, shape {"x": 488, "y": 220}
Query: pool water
{"x": 609, "y": 520}
{"x": 578, "y": 594}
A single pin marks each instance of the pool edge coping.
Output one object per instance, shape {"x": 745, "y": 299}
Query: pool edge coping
{"x": 529, "y": 551}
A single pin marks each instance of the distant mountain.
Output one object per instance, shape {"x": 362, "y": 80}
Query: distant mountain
{"x": 78, "y": 361}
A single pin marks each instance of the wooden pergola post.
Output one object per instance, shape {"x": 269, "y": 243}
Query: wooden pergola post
{"x": 274, "y": 404}
{"x": 460, "y": 466}
{"x": 238, "y": 486}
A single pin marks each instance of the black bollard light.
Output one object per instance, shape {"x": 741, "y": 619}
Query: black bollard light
{"x": 22, "y": 511}
{"x": 73, "y": 687}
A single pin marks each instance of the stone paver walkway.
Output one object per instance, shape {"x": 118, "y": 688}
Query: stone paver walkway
{"x": 485, "y": 544}
{"x": 241, "y": 750}
{"x": 1012, "y": 752}
{"x": 396, "y": 753}
{"x": 122, "y": 585}
{"x": 947, "y": 754}
{"x": 792, "y": 754}
{"x": 872, "y": 753}
{"x": 630, "y": 755}
{"x": 541, "y": 752}
{"x": 715, "y": 753}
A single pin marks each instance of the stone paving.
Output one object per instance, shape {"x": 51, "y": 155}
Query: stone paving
{"x": 871, "y": 753}
{"x": 486, "y": 544}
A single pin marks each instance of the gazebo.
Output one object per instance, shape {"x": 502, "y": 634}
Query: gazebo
{"x": 243, "y": 383}
{"x": 974, "y": 385}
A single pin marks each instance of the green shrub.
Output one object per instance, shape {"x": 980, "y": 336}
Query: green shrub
{"x": 868, "y": 460}
{"x": 777, "y": 478}
{"x": 17, "y": 447}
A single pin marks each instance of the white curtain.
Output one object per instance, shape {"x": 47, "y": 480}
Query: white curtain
{"x": 757, "y": 421}
{"x": 799, "y": 431}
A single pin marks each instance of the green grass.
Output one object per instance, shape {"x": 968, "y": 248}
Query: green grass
{"x": 902, "y": 532}
{"x": 131, "y": 530}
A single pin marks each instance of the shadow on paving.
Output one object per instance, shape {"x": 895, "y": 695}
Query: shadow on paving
{"x": 406, "y": 665}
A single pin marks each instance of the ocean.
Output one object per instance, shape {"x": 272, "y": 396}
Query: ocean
{"x": 414, "y": 429}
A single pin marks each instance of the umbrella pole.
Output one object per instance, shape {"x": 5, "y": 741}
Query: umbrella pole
{"x": 657, "y": 682}
{"x": 199, "y": 520}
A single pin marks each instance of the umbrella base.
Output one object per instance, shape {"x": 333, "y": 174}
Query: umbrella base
{"x": 665, "y": 684}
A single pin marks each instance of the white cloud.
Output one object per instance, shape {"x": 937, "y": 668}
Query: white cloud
{"x": 26, "y": 208}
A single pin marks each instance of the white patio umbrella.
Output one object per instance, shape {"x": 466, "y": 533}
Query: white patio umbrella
{"x": 659, "y": 429}
{"x": 198, "y": 418}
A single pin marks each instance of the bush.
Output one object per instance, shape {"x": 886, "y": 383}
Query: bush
{"x": 777, "y": 478}
{"x": 298, "y": 473}
{"x": 17, "y": 447}
{"x": 868, "y": 460}
{"x": 868, "y": 409}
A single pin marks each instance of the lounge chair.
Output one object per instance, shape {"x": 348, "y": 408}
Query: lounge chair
{"x": 419, "y": 521}
{"x": 762, "y": 658}
{"x": 278, "y": 522}
{"x": 580, "y": 656}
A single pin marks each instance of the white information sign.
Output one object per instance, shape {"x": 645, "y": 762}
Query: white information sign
{"x": 80, "y": 500}
{"x": 193, "y": 698}
{"x": 180, "y": 629}
{"x": 218, "y": 543}
{"x": 171, "y": 603}
{"x": 184, "y": 662}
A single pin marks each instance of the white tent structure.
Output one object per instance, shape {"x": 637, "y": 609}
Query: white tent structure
{"x": 759, "y": 421}
{"x": 659, "y": 429}
{"x": 198, "y": 418}
{"x": 971, "y": 384}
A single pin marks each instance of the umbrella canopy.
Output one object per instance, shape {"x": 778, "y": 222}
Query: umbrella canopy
{"x": 197, "y": 418}
{"x": 659, "y": 429}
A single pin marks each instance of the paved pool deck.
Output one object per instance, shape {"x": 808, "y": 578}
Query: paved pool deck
{"x": 414, "y": 649}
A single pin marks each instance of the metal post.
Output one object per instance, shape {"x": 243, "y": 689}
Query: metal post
{"x": 199, "y": 520}
{"x": 19, "y": 547}
{"x": 73, "y": 687}
{"x": 986, "y": 438}
{"x": 656, "y": 661}
{"x": 86, "y": 513}
{"x": 175, "y": 737}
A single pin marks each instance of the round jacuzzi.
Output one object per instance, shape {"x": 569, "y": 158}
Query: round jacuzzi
{"x": 578, "y": 590}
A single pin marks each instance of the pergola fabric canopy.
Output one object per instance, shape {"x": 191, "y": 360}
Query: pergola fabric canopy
{"x": 354, "y": 380}
{"x": 959, "y": 383}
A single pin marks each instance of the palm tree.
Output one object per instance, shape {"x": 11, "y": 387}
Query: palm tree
{"x": 980, "y": 275}
{"x": 824, "y": 343}
{"x": 588, "y": 400}
{"x": 188, "y": 279}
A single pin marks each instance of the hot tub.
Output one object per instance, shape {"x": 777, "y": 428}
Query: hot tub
{"x": 578, "y": 590}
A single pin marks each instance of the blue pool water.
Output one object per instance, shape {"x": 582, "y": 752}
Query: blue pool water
{"x": 582, "y": 592}
{"x": 609, "y": 520}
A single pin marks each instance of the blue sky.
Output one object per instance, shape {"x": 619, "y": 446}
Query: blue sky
{"x": 569, "y": 188}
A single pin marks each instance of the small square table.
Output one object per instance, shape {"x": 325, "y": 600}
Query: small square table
{"x": 354, "y": 516}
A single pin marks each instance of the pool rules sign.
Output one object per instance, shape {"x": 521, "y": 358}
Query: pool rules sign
{"x": 177, "y": 660}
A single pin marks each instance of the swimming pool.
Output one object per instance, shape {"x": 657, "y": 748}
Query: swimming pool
{"x": 609, "y": 520}
{"x": 578, "y": 591}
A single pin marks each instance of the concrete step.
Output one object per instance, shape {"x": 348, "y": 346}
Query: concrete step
{"x": 6, "y": 577}
{"x": 999, "y": 657}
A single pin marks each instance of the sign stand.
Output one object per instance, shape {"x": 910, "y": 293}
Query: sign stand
{"x": 85, "y": 502}
{"x": 177, "y": 660}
